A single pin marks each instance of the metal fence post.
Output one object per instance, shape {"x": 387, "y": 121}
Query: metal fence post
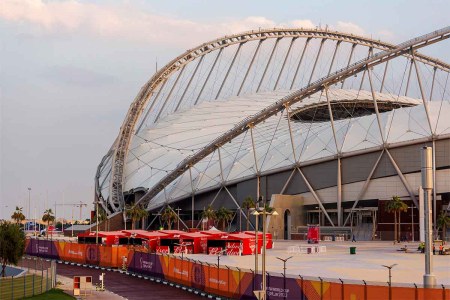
{"x": 416, "y": 292}
{"x": 33, "y": 284}
{"x": 46, "y": 282}
{"x": 342, "y": 288}
{"x": 301, "y": 284}
{"x": 443, "y": 292}
{"x": 365, "y": 290}
{"x": 42, "y": 276}
{"x": 12, "y": 287}
{"x": 321, "y": 288}
{"x": 24, "y": 283}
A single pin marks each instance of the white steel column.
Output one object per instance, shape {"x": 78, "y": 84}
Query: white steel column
{"x": 258, "y": 185}
{"x": 300, "y": 62}
{"x": 229, "y": 69}
{"x": 366, "y": 185}
{"x": 209, "y": 75}
{"x": 268, "y": 63}
{"x": 422, "y": 92}
{"x": 170, "y": 93}
{"x": 250, "y": 66}
{"x": 284, "y": 62}
{"x": 317, "y": 59}
{"x": 189, "y": 83}
{"x": 403, "y": 179}
{"x": 432, "y": 85}
{"x": 334, "y": 56}
{"x": 384, "y": 76}
{"x": 348, "y": 62}
{"x": 339, "y": 174}
{"x": 409, "y": 77}
{"x": 319, "y": 202}
{"x": 151, "y": 106}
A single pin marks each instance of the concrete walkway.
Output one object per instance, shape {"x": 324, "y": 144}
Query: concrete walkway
{"x": 66, "y": 284}
{"x": 337, "y": 262}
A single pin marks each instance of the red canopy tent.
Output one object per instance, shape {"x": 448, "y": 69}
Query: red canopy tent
{"x": 269, "y": 240}
{"x": 149, "y": 239}
{"x": 104, "y": 237}
{"x": 240, "y": 243}
{"x": 194, "y": 242}
{"x": 167, "y": 243}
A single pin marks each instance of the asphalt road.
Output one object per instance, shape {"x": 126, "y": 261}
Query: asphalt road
{"x": 128, "y": 286}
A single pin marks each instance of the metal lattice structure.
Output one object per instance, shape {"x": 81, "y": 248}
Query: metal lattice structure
{"x": 185, "y": 132}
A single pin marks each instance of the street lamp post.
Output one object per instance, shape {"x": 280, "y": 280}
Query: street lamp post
{"x": 390, "y": 278}
{"x": 182, "y": 255}
{"x": 178, "y": 218}
{"x": 284, "y": 260}
{"x": 264, "y": 214}
{"x": 29, "y": 204}
{"x": 218, "y": 266}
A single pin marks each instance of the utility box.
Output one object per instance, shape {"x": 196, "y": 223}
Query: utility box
{"x": 82, "y": 285}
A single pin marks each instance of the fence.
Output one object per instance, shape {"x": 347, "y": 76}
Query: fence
{"x": 231, "y": 282}
{"x": 37, "y": 278}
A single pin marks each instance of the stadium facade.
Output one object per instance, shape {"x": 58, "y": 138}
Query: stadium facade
{"x": 325, "y": 126}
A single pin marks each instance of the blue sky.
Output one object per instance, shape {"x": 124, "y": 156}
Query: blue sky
{"x": 70, "y": 69}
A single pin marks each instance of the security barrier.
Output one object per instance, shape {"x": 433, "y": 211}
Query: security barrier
{"x": 230, "y": 282}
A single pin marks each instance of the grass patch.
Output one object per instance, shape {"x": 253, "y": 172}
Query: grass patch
{"x": 53, "y": 294}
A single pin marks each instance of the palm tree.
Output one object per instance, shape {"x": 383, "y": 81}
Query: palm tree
{"x": 443, "y": 222}
{"x": 224, "y": 215}
{"x": 209, "y": 214}
{"x": 135, "y": 213}
{"x": 18, "y": 216}
{"x": 103, "y": 218}
{"x": 169, "y": 216}
{"x": 248, "y": 203}
{"x": 396, "y": 206}
{"x": 48, "y": 217}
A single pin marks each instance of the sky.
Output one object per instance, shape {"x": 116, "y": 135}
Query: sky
{"x": 70, "y": 69}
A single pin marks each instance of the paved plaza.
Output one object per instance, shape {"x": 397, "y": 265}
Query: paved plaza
{"x": 337, "y": 262}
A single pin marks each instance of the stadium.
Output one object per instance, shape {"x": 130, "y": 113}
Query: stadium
{"x": 323, "y": 126}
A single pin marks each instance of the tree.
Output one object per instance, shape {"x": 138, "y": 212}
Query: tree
{"x": 48, "y": 217}
{"x": 209, "y": 214}
{"x": 396, "y": 206}
{"x": 12, "y": 244}
{"x": 224, "y": 215}
{"x": 248, "y": 203}
{"x": 168, "y": 217}
{"x": 135, "y": 213}
{"x": 443, "y": 222}
{"x": 18, "y": 216}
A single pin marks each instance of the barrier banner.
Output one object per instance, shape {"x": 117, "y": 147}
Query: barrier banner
{"x": 42, "y": 248}
{"x": 145, "y": 263}
{"x": 229, "y": 282}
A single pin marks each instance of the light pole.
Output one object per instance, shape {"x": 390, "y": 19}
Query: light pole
{"x": 182, "y": 256}
{"x": 29, "y": 204}
{"x": 284, "y": 260}
{"x": 390, "y": 278}
{"x": 218, "y": 266}
{"x": 429, "y": 280}
{"x": 264, "y": 214}
{"x": 178, "y": 218}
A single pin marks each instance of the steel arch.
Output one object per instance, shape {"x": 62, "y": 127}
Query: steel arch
{"x": 407, "y": 47}
{"x": 120, "y": 147}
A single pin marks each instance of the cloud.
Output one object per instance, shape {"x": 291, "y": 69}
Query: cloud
{"x": 348, "y": 27}
{"x": 125, "y": 21}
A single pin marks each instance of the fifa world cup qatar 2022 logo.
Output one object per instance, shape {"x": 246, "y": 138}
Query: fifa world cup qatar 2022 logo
{"x": 198, "y": 276}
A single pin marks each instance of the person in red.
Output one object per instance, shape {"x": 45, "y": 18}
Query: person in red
{"x": 441, "y": 249}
